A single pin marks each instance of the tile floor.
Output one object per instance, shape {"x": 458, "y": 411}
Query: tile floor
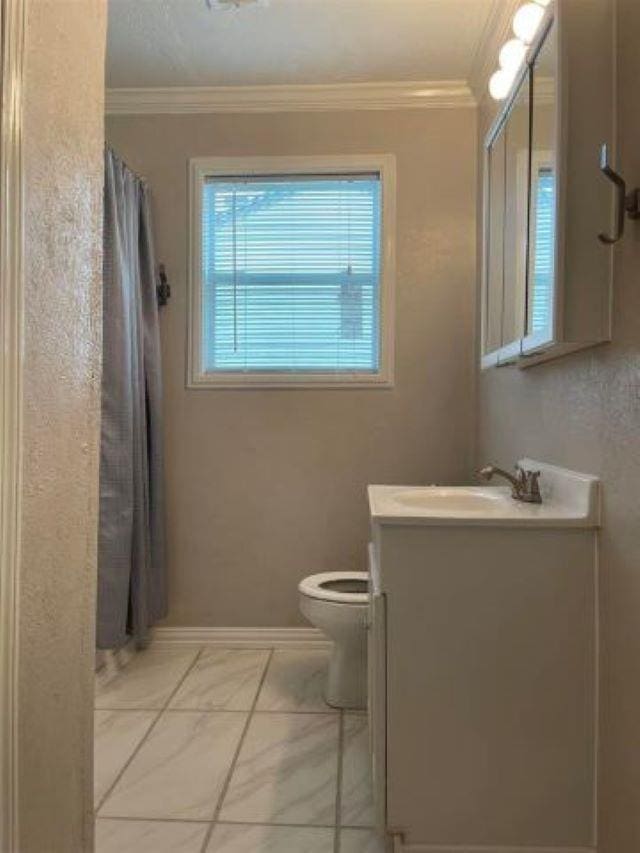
{"x": 209, "y": 750}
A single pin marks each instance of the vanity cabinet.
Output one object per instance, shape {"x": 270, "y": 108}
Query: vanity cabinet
{"x": 546, "y": 276}
{"x": 482, "y": 682}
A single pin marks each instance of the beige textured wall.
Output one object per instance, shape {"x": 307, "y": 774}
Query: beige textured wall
{"x": 63, "y": 139}
{"x": 583, "y": 412}
{"x": 267, "y": 486}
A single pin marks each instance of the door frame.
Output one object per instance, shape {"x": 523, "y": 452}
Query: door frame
{"x": 12, "y": 21}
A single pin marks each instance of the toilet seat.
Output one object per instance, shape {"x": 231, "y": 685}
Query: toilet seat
{"x": 314, "y": 587}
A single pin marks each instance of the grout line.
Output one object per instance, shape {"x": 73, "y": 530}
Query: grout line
{"x": 147, "y": 733}
{"x": 338, "y": 817}
{"x": 196, "y": 820}
{"x": 330, "y": 712}
{"x": 326, "y": 712}
{"x": 192, "y": 820}
{"x": 190, "y": 669}
{"x": 234, "y": 760}
{"x": 109, "y": 790}
{"x": 270, "y": 823}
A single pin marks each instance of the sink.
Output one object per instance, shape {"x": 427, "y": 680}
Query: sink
{"x": 570, "y": 499}
{"x": 463, "y": 499}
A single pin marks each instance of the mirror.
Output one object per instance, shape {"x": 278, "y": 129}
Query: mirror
{"x": 507, "y": 167}
{"x": 542, "y": 219}
{"x": 494, "y": 245}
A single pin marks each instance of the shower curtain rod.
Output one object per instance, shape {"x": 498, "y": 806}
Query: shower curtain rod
{"x": 113, "y": 151}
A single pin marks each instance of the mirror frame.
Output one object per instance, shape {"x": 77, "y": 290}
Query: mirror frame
{"x": 533, "y": 343}
{"x": 527, "y": 344}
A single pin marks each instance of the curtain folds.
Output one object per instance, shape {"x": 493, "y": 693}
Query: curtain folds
{"x": 132, "y": 587}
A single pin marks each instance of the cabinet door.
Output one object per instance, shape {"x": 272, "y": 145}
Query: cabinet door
{"x": 505, "y": 229}
{"x": 542, "y": 277}
{"x": 494, "y": 247}
{"x": 377, "y": 694}
{"x": 516, "y": 198}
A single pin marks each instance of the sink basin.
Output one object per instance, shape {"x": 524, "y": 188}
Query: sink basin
{"x": 450, "y": 498}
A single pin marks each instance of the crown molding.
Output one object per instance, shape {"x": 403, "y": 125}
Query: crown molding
{"x": 496, "y": 31}
{"x": 424, "y": 94}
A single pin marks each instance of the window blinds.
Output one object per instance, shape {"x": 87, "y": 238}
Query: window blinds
{"x": 291, "y": 274}
{"x": 544, "y": 250}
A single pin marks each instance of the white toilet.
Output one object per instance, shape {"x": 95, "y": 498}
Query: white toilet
{"x": 337, "y": 602}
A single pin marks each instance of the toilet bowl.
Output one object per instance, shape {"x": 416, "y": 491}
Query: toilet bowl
{"x": 337, "y": 603}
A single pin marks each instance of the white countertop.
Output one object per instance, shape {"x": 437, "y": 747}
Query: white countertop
{"x": 570, "y": 499}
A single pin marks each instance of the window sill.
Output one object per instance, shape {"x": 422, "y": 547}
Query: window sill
{"x": 253, "y": 381}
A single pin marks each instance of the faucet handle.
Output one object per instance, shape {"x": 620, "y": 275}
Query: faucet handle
{"x": 530, "y": 485}
{"x": 534, "y": 486}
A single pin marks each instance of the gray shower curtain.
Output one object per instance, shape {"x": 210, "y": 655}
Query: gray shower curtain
{"x": 132, "y": 587}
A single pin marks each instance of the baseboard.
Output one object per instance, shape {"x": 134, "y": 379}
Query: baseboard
{"x": 489, "y": 848}
{"x": 244, "y": 637}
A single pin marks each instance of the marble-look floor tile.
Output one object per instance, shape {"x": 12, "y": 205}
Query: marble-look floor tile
{"x": 115, "y": 736}
{"x": 239, "y": 838}
{"x": 295, "y": 681}
{"x": 147, "y": 681}
{"x": 147, "y": 836}
{"x": 286, "y": 771}
{"x": 180, "y": 769}
{"x": 356, "y": 807}
{"x": 361, "y": 841}
{"x": 222, "y": 679}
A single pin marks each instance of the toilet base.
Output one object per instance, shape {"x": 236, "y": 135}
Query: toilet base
{"x": 347, "y": 675}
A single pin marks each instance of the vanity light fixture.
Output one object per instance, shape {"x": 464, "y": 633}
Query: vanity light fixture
{"x": 510, "y": 59}
{"x": 512, "y": 54}
{"x": 500, "y": 84}
{"x": 527, "y": 20}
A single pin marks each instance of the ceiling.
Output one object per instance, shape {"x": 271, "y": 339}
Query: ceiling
{"x": 163, "y": 43}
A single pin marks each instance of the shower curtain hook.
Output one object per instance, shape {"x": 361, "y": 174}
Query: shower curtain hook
{"x": 163, "y": 289}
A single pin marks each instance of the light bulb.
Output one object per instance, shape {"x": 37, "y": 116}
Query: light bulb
{"x": 500, "y": 84}
{"x": 512, "y": 54}
{"x": 527, "y": 20}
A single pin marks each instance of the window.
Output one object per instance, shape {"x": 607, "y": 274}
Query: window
{"x": 291, "y": 272}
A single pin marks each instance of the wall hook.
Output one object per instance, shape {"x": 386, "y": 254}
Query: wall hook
{"x": 627, "y": 203}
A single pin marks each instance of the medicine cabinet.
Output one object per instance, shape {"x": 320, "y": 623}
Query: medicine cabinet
{"x": 546, "y": 276}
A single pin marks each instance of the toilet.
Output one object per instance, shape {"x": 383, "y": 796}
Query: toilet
{"x": 337, "y": 603}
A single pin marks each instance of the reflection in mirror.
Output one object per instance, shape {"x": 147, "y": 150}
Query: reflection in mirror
{"x": 494, "y": 244}
{"x": 515, "y": 232}
{"x": 542, "y": 220}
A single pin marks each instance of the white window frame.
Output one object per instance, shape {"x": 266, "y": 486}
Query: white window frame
{"x": 201, "y": 168}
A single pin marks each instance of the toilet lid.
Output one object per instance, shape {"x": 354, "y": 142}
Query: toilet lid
{"x": 344, "y": 587}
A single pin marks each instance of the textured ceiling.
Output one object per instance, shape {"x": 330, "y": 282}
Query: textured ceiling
{"x": 183, "y": 43}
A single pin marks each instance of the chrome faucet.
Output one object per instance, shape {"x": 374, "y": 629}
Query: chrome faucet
{"x": 524, "y": 486}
